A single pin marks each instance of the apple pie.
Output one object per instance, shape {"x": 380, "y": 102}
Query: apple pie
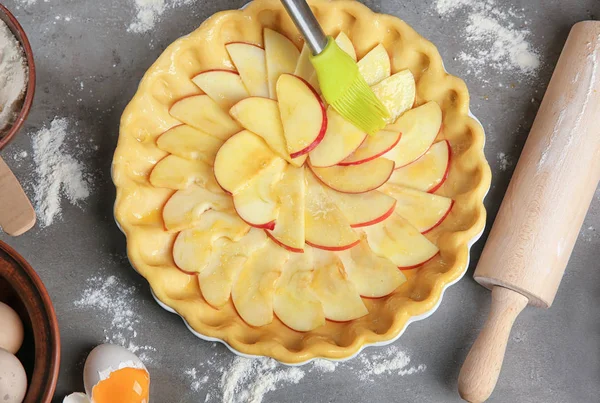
{"x": 268, "y": 221}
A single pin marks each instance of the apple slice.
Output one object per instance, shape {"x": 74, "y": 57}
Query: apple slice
{"x": 340, "y": 140}
{"x": 225, "y": 264}
{"x": 303, "y": 114}
{"x": 372, "y": 275}
{"x": 341, "y": 301}
{"x": 184, "y": 209}
{"x": 289, "y": 226}
{"x": 363, "y": 209}
{"x": 194, "y": 246}
{"x": 395, "y": 239}
{"x": 254, "y": 290}
{"x": 240, "y": 159}
{"x": 356, "y": 178}
{"x": 419, "y": 127}
{"x": 282, "y": 57}
{"x": 373, "y": 147}
{"x": 424, "y": 211}
{"x": 346, "y": 45}
{"x": 427, "y": 173}
{"x": 186, "y": 142}
{"x": 201, "y": 112}
{"x": 261, "y": 116}
{"x": 375, "y": 65}
{"x": 173, "y": 172}
{"x": 250, "y": 62}
{"x": 304, "y": 68}
{"x": 256, "y": 203}
{"x": 397, "y": 93}
{"x": 295, "y": 303}
{"x": 225, "y": 87}
{"x": 326, "y": 226}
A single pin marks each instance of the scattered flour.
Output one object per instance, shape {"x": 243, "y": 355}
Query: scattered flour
{"x": 59, "y": 174}
{"x": 504, "y": 161}
{"x": 27, "y": 2}
{"x": 495, "y": 36}
{"x": 324, "y": 365}
{"x": 390, "y": 361}
{"x": 13, "y": 78}
{"x": 148, "y": 13}
{"x": 116, "y": 303}
{"x": 588, "y": 234}
{"x": 250, "y": 380}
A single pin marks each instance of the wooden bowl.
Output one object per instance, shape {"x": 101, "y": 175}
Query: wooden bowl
{"x": 22, "y": 289}
{"x": 19, "y": 33}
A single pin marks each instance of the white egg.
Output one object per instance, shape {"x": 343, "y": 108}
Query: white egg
{"x": 11, "y": 331}
{"x": 76, "y": 398}
{"x": 105, "y": 359}
{"x": 13, "y": 380}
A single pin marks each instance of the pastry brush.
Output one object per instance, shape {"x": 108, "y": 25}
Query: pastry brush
{"x": 342, "y": 85}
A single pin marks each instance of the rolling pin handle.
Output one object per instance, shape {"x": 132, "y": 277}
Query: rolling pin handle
{"x": 481, "y": 369}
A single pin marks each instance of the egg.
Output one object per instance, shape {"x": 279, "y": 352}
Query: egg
{"x": 13, "y": 380}
{"x": 112, "y": 374}
{"x": 11, "y": 331}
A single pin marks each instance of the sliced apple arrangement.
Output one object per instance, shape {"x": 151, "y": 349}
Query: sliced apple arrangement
{"x": 286, "y": 208}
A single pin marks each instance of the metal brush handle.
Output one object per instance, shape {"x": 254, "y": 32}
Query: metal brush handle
{"x": 307, "y": 24}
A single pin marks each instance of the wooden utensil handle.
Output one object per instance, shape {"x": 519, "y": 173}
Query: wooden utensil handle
{"x": 16, "y": 213}
{"x": 481, "y": 369}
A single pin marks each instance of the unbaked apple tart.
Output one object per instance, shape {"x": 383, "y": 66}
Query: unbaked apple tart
{"x": 267, "y": 220}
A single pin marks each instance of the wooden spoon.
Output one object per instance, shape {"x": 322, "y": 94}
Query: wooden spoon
{"x": 16, "y": 212}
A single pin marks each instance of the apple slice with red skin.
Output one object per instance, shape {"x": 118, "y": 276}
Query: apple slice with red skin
{"x": 303, "y": 114}
{"x": 184, "y": 209}
{"x": 224, "y": 265}
{"x": 419, "y": 127}
{"x": 424, "y": 211}
{"x": 282, "y": 57}
{"x": 326, "y": 227}
{"x": 372, "y": 275}
{"x": 427, "y": 173}
{"x": 362, "y": 209}
{"x": 375, "y": 65}
{"x": 173, "y": 172}
{"x": 356, "y": 178}
{"x": 190, "y": 143}
{"x": 201, "y": 112}
{"x": 341, "y": 139}
{"x": 289, "y": 231}
{"x": 261, "y": 116}
{"x": 250, "y": 61}
{"x": 254, "y": 289}
{"x": 295, "y": 303}
{"x": 395, "y": 239}
{"x": 241, "y": 158}
{"x": 257, "y": 203}
{"x": 194, "y": 246}
{"x": 338, "y": 295}
{"x": 225, "y": 87}
{"x": 373, "y": 147}
{"x": 397, "y": 93}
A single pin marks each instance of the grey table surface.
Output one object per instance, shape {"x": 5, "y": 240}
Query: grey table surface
{"x": 554, "y": 355}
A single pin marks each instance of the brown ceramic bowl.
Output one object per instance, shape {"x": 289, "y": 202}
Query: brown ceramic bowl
{"x": 22, "y": 289}
{"x": 17, "y": 30}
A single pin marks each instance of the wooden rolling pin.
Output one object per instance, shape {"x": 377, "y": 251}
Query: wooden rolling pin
{"x": 539, "y": 220}
{"x": 16, "y": 213}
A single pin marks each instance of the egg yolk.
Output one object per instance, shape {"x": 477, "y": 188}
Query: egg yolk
{"x": 126, "y": 385}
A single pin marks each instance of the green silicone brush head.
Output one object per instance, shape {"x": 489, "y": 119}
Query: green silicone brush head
{"x": 346, "y": 90}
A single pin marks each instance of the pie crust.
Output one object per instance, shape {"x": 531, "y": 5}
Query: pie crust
{"x": 138, "y": 207}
